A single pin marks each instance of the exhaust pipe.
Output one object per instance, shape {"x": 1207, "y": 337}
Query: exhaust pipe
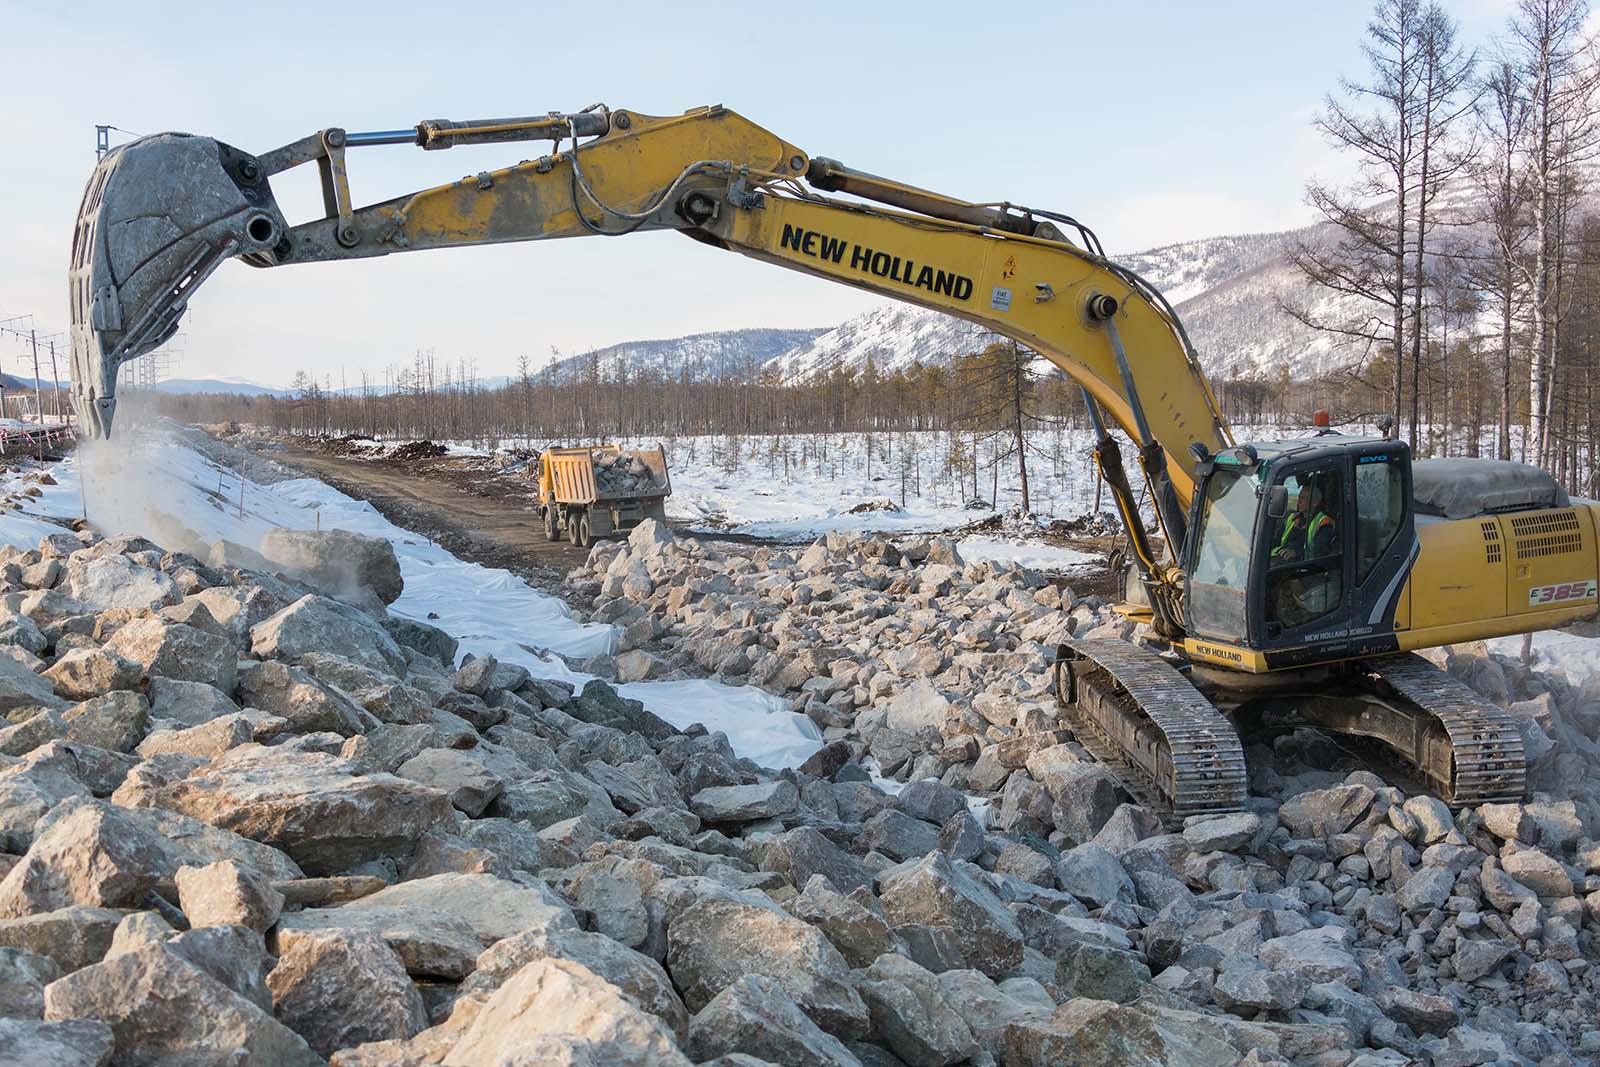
{"x": 158, "y": 216}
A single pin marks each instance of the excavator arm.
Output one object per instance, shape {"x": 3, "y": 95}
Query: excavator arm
{"x": 161, "y": 213}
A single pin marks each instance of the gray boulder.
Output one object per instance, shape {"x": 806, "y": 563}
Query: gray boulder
{"x": 115, "y": 581}
{"x": 422, "y": 637}
{"x": 161, "y": 1009}
{"x": 429, "y": 943}
{"x": 173, "y": 650}
{"x": 338, "y": 562}
{"x": 1319, "y": 954}
{"x": 804, "y": 853}
{"x": 1220, "y": 833}
{"x": 71, "y": 937}
{"x": 114, "y": 721}
{"x": 640, "y": 977}
{"x": 23, "y": 976}
{"x": 899, "y": 836}
{"x": 1244, "y": 987}
{"x": 311, "y": 805}
{"x": 717, "y": 940}
{"x": 68, "y": 1043}
{"x": 745, "y": 803}
{"x": 189, "y": 703}
{"x": 318, "y": 624}
{"x": 337, "y": 988}
{"x": 936, "y": 892}
{"x": 92, "y": 854}
{"x": 470, "y": 785}
{"x": 860, "y": 933}
{"x": 913, "y": 1015}
{"x": 757, "y": 1017}
{"x": 228, "y": 894}
{"x": 1092, "y": 874}
{"x": 602, "y": 705}
{"x": 82, "y": 673}
{"x": 1325, "y": 812}
{"x": 20, "y": 687}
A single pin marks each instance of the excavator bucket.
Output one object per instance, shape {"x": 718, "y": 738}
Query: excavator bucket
{"x": 159, "y": 215}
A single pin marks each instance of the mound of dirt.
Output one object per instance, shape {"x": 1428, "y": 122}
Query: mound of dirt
{"x": 419, "y": 450}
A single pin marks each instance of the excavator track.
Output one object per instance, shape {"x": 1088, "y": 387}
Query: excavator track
{"x": 1471, "y": 750}
{"x": 1137, "y": 714}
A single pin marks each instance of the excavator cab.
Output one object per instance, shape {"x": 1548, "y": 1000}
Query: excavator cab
{"x": 1297, "y": 551}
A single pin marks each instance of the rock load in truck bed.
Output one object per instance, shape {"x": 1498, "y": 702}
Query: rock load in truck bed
{"x": 624, "y": 474}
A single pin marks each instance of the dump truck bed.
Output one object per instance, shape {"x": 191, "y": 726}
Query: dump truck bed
{"x": 597, "y": 475}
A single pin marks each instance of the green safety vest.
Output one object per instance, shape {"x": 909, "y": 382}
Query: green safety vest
{"x": 1290, "y": 528}
{"x": 1318, "y": 521}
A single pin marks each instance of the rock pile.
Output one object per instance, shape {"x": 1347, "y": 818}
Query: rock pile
{"x": 242, "y": 821}
{"x": 1336, "y": 920}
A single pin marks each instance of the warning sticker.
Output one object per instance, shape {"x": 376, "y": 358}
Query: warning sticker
{"x": 1555, "y": 594}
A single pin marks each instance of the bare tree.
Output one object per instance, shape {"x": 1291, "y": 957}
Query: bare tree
{"x": 1367, "y": 259}
{"x": 1446, "y": 72}
{"x": 1557, "y": 76}
{"x": 1502, "y": 113}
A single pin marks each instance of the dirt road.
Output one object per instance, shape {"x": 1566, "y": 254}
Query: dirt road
{"x": 492, "y": 520}
{"x": 474, "y": 516}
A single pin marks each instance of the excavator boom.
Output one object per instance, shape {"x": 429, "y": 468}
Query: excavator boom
{"x": 161, "y": 213}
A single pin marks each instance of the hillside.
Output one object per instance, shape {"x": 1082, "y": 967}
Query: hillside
{"x": 698, "y": 357}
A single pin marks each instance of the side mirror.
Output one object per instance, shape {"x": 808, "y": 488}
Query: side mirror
{"x": 1277, "y": 501}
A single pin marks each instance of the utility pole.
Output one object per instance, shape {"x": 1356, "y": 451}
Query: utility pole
{"x": 38, "y": 391}
{"x": 55, "y": 385}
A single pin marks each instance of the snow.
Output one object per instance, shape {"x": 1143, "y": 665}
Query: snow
{"x": 797, "y": 487}
{"x": 1576, "y": 654}
{"x": 1038, "y": 556}
{"x": 758, "y": 724}
{"x": 154, "y": 485}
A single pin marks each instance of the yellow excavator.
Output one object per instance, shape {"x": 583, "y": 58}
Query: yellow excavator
{"x": 1298, "y": 575}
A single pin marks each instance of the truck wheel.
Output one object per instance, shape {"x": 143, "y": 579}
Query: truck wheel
{"x": 550, "y": 533}
{"x": 583, "y": 532}
{"x": 572, "y": 527}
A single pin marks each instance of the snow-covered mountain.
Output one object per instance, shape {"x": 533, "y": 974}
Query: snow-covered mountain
{"x": 698, "y": 357}
{"x": 893, "y": 336}
{"x": 1228, "y": 290}
{"x": 238, "y": 386}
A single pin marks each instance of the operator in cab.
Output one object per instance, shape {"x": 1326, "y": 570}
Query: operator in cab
{"x": 1311, "y": 530}
{"x": 1306, "y": 572}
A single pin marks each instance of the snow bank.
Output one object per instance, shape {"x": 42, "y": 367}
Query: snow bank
{"x": 1032, "y": 554}
{"x": 152, "y": 484}
{"x": 1574, "y": 653}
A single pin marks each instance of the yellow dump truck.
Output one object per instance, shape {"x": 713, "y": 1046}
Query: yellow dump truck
{"x": 587, "y": 493}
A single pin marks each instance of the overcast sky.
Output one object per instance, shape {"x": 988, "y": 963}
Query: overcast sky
{"x": 1152, "y": 122}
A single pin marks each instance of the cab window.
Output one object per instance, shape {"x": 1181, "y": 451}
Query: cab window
{"x": 1380, "y": 507}
{"x": 1305, "y": 552}
{"x": 1217, "y": 582}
